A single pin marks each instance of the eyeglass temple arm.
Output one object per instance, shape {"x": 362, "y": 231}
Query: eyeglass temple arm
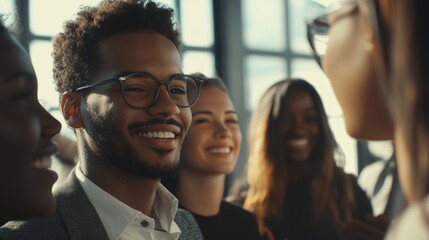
{"x": 95, "y": 84}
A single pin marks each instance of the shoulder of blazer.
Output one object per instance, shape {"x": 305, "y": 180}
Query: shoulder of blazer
{"x": 187, "y": 224}
{"x": 76, "y": 211}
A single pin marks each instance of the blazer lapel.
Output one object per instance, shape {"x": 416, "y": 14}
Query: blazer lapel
{"x": 77, "y": 212}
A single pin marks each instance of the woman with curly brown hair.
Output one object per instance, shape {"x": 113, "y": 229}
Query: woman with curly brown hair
{"x": 296, "y": 188}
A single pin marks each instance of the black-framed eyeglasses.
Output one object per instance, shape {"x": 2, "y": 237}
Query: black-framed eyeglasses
{"x": 141, "y": 89}
{"x": 318, "y": 28}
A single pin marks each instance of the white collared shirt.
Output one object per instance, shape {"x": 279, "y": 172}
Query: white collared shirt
{"x": 412, "y": 222}
{"x": 122, "y": 222}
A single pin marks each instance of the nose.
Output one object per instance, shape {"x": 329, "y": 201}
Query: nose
{"x": 294, "y": 126}
{"x": 163, "y": 104}
{"x": 50, "y": 125}
{"x": 221, "y": 130}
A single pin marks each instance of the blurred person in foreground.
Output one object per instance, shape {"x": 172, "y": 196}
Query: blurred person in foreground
{"x": 26, "y": 132}
{"x": 375, "y": 54}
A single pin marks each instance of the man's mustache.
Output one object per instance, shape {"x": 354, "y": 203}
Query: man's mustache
{"x": 155, "y": 121}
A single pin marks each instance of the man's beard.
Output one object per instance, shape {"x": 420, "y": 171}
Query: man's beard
{"x": 123, "y": 157}
{"x": 129, "y": 162}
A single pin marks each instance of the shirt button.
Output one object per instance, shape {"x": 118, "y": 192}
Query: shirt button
{"x": 144, "y": 223}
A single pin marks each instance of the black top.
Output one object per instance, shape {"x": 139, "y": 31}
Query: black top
{"x": 297, "y": 212}
{"x": 231, "y": 223}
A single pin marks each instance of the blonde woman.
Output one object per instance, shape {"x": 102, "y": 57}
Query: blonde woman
{"x": 209, "y": 153}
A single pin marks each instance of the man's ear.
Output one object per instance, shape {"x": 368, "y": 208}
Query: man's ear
{"x": 70, "y": 107}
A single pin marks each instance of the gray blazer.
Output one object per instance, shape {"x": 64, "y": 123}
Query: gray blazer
{"x": 75, "y": 218}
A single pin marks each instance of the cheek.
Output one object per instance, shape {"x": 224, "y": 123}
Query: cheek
{"x": 106, "y": 115}
{"x": 315, "y": 132}
{"x": 186, "y": 117}
{"x": 19, "y": 138}
{"x": 346, "y": 61}
{"x": 100, "y": 107}
{"x": 350, "y": 68}
{"x": 237, "y": 137}
{"x": 190, "y": 140}
{"x": 192, "y": 147}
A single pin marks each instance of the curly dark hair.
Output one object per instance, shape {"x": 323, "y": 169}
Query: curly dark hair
{"x": 76, "y": 49}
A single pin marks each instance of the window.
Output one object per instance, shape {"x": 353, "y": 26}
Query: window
{"x": 251, "y": 44}
{"x": 197, "y": 49}
{"x": 6, "y": 8}
{"x": 275, "y": 48}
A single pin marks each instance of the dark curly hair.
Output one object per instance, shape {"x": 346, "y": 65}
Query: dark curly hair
{"x": 76, "y": 49}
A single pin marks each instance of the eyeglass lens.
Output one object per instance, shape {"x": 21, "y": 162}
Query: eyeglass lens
{"x": 318, "y": 31}
{"x": 141, "y": 90}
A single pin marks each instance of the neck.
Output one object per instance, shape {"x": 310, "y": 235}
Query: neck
{"x": 200, "y": 193}
{"x": 122, "y": 185}
{"x": 298, "y": 171}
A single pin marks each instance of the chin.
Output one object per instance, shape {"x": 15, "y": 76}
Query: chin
{"x": 228, "y": 170}
{"x": 364, "y": 126}
{"x": 366, "y": 132}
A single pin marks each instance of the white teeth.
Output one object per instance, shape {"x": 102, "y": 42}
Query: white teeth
{"x": 159, "y": 135}
{"x": 223, "y": 150}
{"x": 42, "y": 162}
{"x": 298, "y": 143}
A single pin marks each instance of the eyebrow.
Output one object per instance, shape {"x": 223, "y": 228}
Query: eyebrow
{"x": 210, "y": 113}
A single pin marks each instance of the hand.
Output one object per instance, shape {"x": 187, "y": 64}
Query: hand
{"x": 374, "y": 228}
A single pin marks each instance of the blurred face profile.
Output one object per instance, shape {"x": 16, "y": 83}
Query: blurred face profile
{"x": 26, "y": 131}
{"x": 350, "y": 65}
{"x": 300, "y": 130}
{"x": 213, "y": 141}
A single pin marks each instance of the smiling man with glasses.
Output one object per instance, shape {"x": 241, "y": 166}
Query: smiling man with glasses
{"x": 141, "y": 89}
{"x": 130, "y": 128}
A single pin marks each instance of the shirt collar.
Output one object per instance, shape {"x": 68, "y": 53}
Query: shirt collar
{"x": 116, "y": 215}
